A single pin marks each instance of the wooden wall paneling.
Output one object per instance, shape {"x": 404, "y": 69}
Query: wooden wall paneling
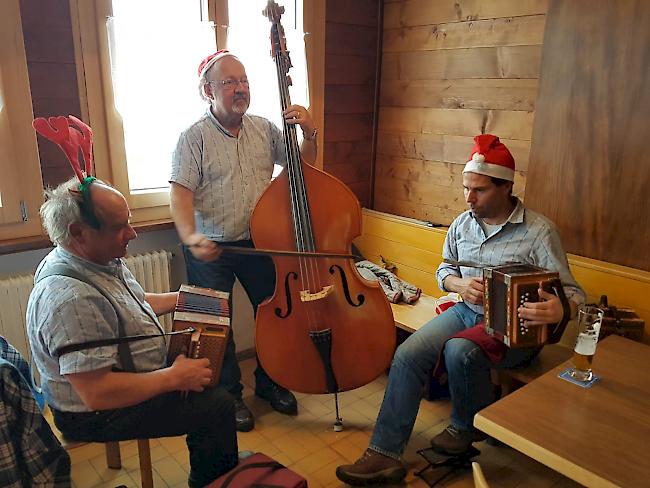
{"x": 451, "y": 70}
{"x": 348, "y": 127}
{"x": 347, "y": 39}
{"x": 445, "y": 148}
{"x": 337, "y": 152}
{"x": 357, "y": 13}
{"x": 510, "y": 31}
{"x": 351, "y": 70}
{"x": 49, "y": 49}
{"x": 350, "y": 99}
{"x": 498, "y": 94}
{"x": 505, "y": 123}
{"x": 485, "y": 62}
{"x": 589, "y": 167}
{"x": 424, "y": 12}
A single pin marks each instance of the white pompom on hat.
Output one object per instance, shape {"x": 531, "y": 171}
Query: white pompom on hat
{"x": 207, "y": 63}
{"x": 491, "y": 157}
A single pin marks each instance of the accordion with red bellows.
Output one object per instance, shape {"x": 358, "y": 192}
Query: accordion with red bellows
{"x": 206, "y": 311}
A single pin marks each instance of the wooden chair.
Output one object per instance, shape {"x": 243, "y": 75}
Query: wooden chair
{"x": 479, "y": 479}
{"x": 113, "y": 456}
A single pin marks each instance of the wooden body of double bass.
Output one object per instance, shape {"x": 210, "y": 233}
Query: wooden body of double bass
{"x": 360, "y": 318}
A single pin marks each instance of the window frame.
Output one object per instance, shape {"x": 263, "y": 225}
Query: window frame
{"x": 22, "y": 182}
{"x": 97, "y": 100}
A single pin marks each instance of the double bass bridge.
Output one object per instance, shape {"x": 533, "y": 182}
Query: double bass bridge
{"x": 307, "y": 296}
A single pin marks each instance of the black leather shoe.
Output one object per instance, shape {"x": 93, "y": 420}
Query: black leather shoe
{"x": 281, "y": 399}
{"x": 243, "y": 416}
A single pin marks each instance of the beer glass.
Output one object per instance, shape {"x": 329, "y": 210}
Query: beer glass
{"x": 589, "y": 320}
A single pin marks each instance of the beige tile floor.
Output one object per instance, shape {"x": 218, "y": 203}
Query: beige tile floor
{"x": 308, "y": 445}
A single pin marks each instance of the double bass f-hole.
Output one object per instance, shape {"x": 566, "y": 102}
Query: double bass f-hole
{"x": 346, "y": 289}
{"x": 287, "y": 294}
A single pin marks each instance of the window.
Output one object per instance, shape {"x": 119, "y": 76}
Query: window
{"x": 139, "y": 63}
{"x": 20, "y": 177}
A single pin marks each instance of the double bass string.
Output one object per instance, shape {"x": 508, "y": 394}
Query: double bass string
{"x": 309, "y": 269}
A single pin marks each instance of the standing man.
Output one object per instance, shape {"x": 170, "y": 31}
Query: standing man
{"x": 220, "y": 167}
{"x": 496, "y": 229}
{"x": 83, "y": 292}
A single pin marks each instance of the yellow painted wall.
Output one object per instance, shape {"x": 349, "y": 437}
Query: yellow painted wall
{"x": 416, "y": 250}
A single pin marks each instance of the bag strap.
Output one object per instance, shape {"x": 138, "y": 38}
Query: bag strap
{"x": 274, "y": 465}
{"x": 123, "y": 349}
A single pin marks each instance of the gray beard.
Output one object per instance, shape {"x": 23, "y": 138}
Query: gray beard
{"x": 240, "y": 107}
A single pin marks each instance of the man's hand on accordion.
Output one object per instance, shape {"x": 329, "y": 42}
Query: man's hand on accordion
{"x": 202, "y": 248}
{"x": 189, "y": 374}
{"x": 470, "y": 289}
{"x": 547, "y": 311}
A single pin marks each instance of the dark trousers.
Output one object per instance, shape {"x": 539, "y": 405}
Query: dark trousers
{"x": 257, "y": 276}
{"x": 208, "y": 419}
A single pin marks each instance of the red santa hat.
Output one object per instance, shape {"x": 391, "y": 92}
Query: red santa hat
{"x": 207, "y": 63}
{"x": 491, "y": 157}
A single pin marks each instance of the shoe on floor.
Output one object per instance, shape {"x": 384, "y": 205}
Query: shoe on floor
{"x": 372, "y": 468}
{"x": 453, "y": 441}
{"x": 281, "y": 399}
{"x": 243, "y": 416}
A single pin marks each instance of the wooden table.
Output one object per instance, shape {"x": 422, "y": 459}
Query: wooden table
{"x": 598, "y": 436}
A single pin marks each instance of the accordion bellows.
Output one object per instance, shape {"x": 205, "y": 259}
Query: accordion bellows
{"x": 208, "y": 312}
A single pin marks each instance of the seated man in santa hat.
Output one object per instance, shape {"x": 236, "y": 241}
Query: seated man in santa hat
{"x": 496, "y": 229}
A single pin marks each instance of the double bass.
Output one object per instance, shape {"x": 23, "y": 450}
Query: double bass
{"x": 326, "y": 329}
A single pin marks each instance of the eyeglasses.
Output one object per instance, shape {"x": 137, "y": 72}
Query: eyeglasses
{"x": 231, "y": 84}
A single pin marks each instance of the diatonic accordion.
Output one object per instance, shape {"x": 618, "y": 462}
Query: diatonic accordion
{"x": 208, "y": 312}
{"x": 506, "y": 289}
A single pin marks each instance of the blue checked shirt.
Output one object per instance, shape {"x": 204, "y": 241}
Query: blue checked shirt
{"x": 526, "y": 237}
{"x": 227, "y": 173}
{"x": 63, "y": 311}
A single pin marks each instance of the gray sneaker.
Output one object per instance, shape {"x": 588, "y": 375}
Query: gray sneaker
{"x": 453, "y": 441}
{"x": 372, "y": 468}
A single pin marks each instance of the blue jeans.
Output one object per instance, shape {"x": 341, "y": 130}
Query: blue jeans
{"x": 468, "y": 371}
{"x": 257, "y": 276}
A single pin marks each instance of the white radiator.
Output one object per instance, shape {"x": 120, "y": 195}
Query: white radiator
{"x": 151, "y": 269}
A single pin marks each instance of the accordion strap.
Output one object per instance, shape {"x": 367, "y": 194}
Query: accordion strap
{"x": 115, "y": 340}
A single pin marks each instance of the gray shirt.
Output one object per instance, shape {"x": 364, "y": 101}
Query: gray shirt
{"x": 227, "y": 173}
{"x": 63, "y": 311}
{"x": 526, "y": 237}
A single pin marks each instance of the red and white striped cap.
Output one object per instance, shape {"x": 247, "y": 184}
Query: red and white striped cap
{"x": 491, "y": 157}
{"x": 207, "y": 63}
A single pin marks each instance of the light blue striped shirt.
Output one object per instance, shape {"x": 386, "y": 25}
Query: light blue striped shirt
{"x": 227, "y": 173}
{"x": 526, "y": 237}
{"x": 63, "y": 311}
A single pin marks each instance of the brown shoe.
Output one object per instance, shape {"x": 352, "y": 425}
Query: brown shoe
{"x": 372, "y": 468}
{"x": 453, "y": 441}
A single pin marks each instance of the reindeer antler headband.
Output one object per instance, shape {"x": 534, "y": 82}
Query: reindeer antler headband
{"x": 72, "y": 135}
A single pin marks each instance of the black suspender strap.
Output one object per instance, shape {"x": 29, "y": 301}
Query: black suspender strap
{"x": 123, "y": 349}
